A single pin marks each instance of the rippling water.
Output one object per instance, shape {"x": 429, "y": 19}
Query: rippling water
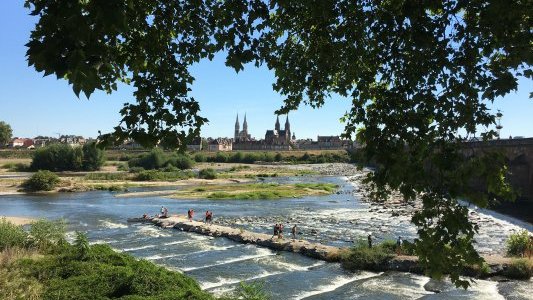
{"x": 219, "y": 264}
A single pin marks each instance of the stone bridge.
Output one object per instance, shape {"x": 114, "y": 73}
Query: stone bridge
{"x": 519, "y": 155}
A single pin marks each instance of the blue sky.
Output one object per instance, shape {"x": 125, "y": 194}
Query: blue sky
{"x": 35, "y": 105}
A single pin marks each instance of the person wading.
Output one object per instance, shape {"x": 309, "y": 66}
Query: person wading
{"x": 293, "y": 231}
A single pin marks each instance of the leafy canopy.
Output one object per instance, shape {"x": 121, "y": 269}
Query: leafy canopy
{"x": 5, "y": 133}
{"x": 419, "y": 75}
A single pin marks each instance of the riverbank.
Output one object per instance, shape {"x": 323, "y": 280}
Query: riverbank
{"x": 496, "y": 266}
{"x": 18, "y": 220}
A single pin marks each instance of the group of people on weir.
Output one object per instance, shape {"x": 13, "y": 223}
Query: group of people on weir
{"x": 278, "y": 231}
{"x": 278, "y": 227}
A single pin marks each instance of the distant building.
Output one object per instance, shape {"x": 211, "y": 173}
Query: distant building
{"x": 73, "y": 140}
{"x": 331, "y": 142}
{"x": 21, "y": 143}
{"x": 195, "y": 145}
{"x": 276, "y": 139}
{"x": 220, "y": 144}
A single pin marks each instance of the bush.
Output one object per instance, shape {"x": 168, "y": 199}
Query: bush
{"x": 221, "y": 157}
{"x": 519, "y": 269}
{"x": 47, "y": 235}
{"x": 362, "y": 257}
{"x": 517, "y": 244}
{"x": 200, "y": 157}
{"x": 11, "y": 235}
{"x": 62, "y": 157}
{"x": 252, "y": 291}
{"x": 41, "y": 181}
{"x": 93, "y": 158}
{"x": 158, "y": 159}
{"x": 57, "y": 157}
{"x": 155, "y": 175}
{"x": 106, "y": 176}
{"x": 207, "y": 174}
{"x": 278, "y": 157}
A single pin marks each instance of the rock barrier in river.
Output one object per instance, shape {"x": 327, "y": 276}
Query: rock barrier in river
{"x": 314, "y": 250}
{"x": 497, "y": 264}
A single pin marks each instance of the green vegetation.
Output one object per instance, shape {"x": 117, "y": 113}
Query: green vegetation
{"x": 256, "y": 191}
{"x": 11, "y": 235}
{"x": 421, "y": 85}
{"x": 62, "y": 157}
{"x": 518, "y": 243}
{"x": 17, "y": 167}
{"x": 254, "y": 157}
{"x": 41, "y": 181}
{"x": 207, "y": 174}
{"x": 42, "y": 265}
{"x": 519, "y": 269}
{"x": 360, "y": 257}
{"x": 5, "y": 133}
{"x": 156, "y": 175}
{"x": 107, "y": 176}
{"x": 158, "y": 159}
{"x": 55, "y": 269}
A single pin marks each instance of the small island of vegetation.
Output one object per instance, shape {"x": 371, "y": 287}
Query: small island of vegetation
{"x": 252, "y": 191}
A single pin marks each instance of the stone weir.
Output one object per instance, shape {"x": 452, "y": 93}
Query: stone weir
{"x": 314, "y": 250}
{"x": 496, "y": 264}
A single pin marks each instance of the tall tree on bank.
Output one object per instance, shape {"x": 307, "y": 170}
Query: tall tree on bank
{"x": 419, "y": 74}
{"x": 5, "y": 133}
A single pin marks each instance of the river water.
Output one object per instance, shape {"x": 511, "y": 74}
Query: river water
{"x": 220, "y": 264}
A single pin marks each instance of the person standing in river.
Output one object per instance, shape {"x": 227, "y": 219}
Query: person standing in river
{"x": 276, "y": 229}
{"x": 293, "y": 231}
{"x": 370, "y": 241}
{"x": 399, "y": 243}
{"x": 190, "y": 214}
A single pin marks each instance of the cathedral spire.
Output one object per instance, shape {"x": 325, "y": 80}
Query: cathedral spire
{"x": 245, "y": 124}
{"x": 287, "y": 124}
{"x": 277, "y": 126}
{"x": 237, "y": 128}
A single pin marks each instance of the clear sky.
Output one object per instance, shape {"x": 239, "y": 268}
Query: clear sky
{"x": 36, "y": 105}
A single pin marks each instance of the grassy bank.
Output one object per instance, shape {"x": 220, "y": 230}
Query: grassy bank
{"x": 40, "y": 264}
{"x": 255, "y": 191}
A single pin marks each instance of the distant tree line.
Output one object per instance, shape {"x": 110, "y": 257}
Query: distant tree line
{"x": 253, "y": 157}
{"x": 61, "y": 157}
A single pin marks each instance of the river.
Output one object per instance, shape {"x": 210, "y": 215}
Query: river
{"x": 220, "y": 264}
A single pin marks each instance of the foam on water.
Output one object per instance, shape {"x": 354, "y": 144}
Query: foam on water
{"x": 157, "y": 256}
{"x": 336, "y": 283}
{"x": 260, "y": 253}
{"x": 294, "y": 267}
{"x": 484, "y": 289}
{"x": 176, "y": 242}
{"x": 138, "y": 248}
{"x": 112, "y": 225}
{"x": 229, "y": 281}
{"x": 153, "y": 231}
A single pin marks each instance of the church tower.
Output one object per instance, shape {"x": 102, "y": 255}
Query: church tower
{"x": 237, "y": 128}
{"x": 277, "y": 126}
{"x": 287, "y": 128}
{"x": 245, "y": 127}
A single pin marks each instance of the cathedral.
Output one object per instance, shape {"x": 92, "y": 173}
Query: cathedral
{"x": 241, "y": 136}
{"x": 276, "y": 139}
{"x": 278, "y": 136}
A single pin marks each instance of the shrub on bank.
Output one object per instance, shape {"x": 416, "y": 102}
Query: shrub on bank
{"x": 157, "y": 159}
{"x": 62, "y": 157}
{"x": 207, "y": 174}
{"x": 361, "y": 257}
{"x": 41, "y": 181}
{"x": 519, "y": 269}
{"x": 11, "y": 235}
{"x": 156, "y": 175}
{"x": 82, "y": 271}
{"x": 518, "y": 243}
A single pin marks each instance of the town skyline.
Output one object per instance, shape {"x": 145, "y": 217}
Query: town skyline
{"x": 35, "y": 105}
